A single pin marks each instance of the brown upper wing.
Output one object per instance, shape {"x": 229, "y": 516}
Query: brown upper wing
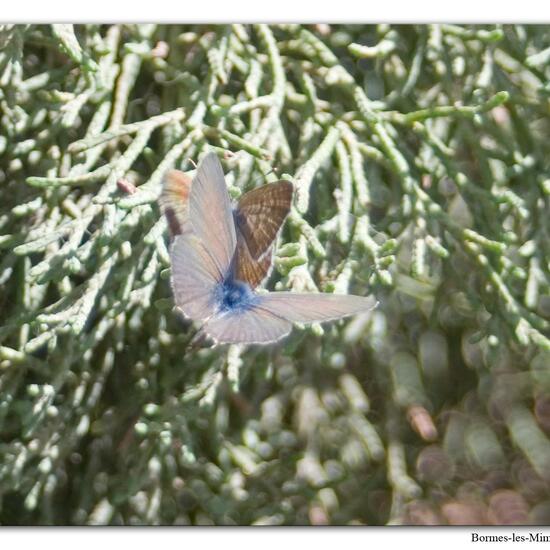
{"x": 249, "y": 270}
{"x": 260, "y": 215}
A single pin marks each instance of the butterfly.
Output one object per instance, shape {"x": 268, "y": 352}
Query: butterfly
{"x": 259, "y": 216}
{"x": 206, "y": 276}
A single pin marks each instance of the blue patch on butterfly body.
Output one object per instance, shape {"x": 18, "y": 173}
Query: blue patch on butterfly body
{"x": 232, "y": 295}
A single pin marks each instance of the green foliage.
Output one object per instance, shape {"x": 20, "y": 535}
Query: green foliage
{"x": 420, "y": 161}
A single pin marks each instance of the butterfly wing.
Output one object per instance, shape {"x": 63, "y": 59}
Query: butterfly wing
{"x": 314, "y": 308}
{"x": 271, "y": 316}
{"x": 210, "y": 212}
{"x": 250, "y": 326}
{"x": 247, "y": 269}
{"x": 195, "y": 277}
{"x": 260, "y": 215}
{"x": 174, "y": 201}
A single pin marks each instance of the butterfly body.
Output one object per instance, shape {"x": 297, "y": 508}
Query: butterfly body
{"x": 223, "y": 253}
{"x": 233, "y": 295}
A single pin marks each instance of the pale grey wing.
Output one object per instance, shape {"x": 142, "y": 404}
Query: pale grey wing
{"x": 195, "y": 277}
{"x": 210, "y": 212}
{"x": 314, "y": 308}
{"x": 249, "y": 326}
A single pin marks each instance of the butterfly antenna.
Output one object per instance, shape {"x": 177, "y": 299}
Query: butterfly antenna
{"x": 258, "y": 181}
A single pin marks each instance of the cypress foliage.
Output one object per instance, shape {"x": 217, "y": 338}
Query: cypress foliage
{"x": 420, "y": 158}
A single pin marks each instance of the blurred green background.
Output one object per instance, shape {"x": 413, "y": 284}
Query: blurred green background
{"x": 420, "y": 157}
